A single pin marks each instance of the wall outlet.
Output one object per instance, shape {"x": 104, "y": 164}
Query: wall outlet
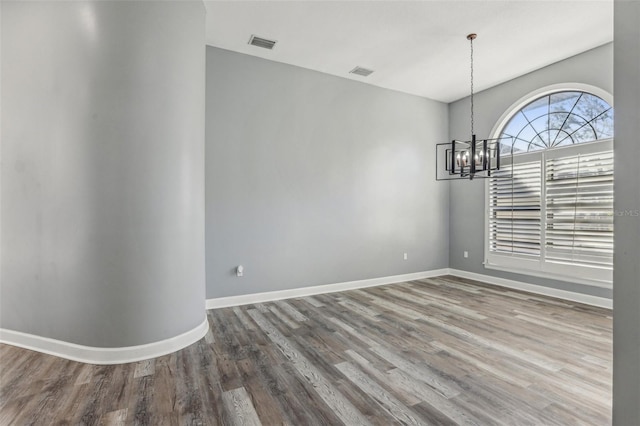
{"x": 405, "y": 256}
{"x": 466, "y": 254}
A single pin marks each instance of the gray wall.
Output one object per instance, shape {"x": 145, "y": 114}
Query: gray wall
{"x": 102, "y": 170}
{"x": 626, "y": 275}
{"x": 313, "y": 179}
{"x": 467, "y": 199}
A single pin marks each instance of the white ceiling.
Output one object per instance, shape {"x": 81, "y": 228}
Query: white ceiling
{"x": 417, "y": 47}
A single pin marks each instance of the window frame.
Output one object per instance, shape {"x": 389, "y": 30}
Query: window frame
{"x": 592, "y": 276}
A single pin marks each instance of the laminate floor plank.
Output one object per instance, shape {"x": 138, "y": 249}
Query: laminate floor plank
{"x": 39, "y": 369}
{"x": 357, "y": 308}
{"x": 291, "y": 311}
{"x": 188, "y": 403}
{"x": 421, "y": 372}
{"x": 343, "y": 407}
{"x": 115, "y": 418}
{"x": 265, "y": 403}
{"x": 69, "y": 403}
{"x": 365, "y": 404}
{"x": 381, "y": 378}
{"x": 242, "y": 316}
{"x": 458, "y": 414}
{"x": 239, "y": 404}
{"x": 161, "y": 398}
{"x": 437, "y": 351}
{"x": 440, "y": 304}
{"x": 386, "y": 400}
{"x": 354, "y": 334}
{"x": 471, "y": 358}
{"x": 144, "y": 368}
{"x": 314, "y": 302}
{"x": 505, "y": 401}
{"x": 97, "y": 396}
{"x": 283, "y": 318}
{"x": 377, "y": 331}
{"x": 298, "y": 398}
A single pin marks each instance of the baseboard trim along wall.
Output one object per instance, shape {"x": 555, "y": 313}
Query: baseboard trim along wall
{"x": 103, "y": 356}
{"x": 247, "y": 299}
{"x": 601, "y": 302}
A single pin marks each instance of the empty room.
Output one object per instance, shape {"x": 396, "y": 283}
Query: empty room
{"x": 320, "y": 212}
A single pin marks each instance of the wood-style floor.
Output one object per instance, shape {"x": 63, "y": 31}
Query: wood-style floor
{"x": 437, "y": 351}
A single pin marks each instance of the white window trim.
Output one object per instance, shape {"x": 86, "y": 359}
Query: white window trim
{"x": 549, "y": 275}
{"x": 598, "y": 277}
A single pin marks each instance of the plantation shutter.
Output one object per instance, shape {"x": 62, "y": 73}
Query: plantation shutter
{"x": 514, "y": 210}
{"x": 579, "y": 209}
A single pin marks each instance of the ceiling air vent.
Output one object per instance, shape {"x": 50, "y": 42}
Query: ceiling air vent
{"x": 262, "y": 42}
{"x": 361, "y": 71}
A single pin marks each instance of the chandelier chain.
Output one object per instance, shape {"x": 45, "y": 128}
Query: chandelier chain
{"x": 472, "y": 117}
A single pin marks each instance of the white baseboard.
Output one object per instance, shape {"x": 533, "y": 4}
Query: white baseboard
{"x": 97, "y": 355}
{"x": 246, "y": 299}
{"x": 601, "y": 302}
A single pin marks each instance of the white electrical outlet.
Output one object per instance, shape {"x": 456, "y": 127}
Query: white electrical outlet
{"x": 405, "y": 256}
{"x": 466, "y": 254}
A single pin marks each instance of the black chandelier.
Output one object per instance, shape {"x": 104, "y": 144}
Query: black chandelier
{"x": 475, "y": 158}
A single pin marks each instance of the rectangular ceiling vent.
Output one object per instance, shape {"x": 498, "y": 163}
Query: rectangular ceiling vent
{"x": 361, "y": 71}
{"x": 262, "y": 42}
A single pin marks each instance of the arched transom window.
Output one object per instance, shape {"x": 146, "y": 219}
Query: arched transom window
{"x": 559, "y": 119}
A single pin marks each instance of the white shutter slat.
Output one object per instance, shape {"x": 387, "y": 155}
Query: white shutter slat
{"x": 514, "y": 210}
{"x": 579, "y": 209}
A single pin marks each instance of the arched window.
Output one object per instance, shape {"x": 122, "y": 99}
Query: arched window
{"x": 550, "y": 207}
{"x": 559, "y": 119}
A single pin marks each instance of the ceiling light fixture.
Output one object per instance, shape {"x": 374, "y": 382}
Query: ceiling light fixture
{"x": 472, "y": 158}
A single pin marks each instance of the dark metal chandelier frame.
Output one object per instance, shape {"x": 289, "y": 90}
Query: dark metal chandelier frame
{"x": 472, "y": 158}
